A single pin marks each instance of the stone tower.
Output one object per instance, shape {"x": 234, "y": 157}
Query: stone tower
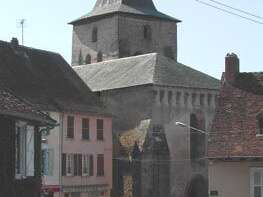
{"x": 122, "y": 28}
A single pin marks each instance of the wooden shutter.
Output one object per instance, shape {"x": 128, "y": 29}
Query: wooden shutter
{"x": 64, "y": 160}
{"x": 100, "y": 165}
{"x": 91, "y": 165}
{"x": 79, "y": 165}
{"x": 75, "y": 165}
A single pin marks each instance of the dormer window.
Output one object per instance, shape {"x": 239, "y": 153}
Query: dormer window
{"x": 147, "y": 32}
{"x": 95, "y": 34}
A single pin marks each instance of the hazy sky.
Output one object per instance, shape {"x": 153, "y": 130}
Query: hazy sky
{"x": 205, "y": 35}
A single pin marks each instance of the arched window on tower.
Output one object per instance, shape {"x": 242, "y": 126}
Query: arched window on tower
{"x": 88, "y": 59}
{"x": 95, "y": 34}
{"x": 147, "y": 32}
{"x": 80, "y": 59}
{"x": 99, "y": 57}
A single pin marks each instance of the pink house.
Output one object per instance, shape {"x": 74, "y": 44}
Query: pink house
{"x": 86, "y": 155}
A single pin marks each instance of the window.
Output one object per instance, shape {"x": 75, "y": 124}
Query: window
{"x": 70, "y": 127}
{"x": 80, "y": 60}
{"x": 260, "y": 124}
{"x": 256, "y": 182}
{"x": 100, "y": 128}
{"x": 147, "y": 32}
{"x": 66, "y": 195}
{"x": 69, "y": 164}
{"x": 47, "y": 161}
{"x": 95, "y": 34}
{"x": 100, "y": 165}
{"x": 77, "y": 165}
{"x": 87, "y": 165}
{"x": 88, "y": 59}
{"x": 85, "y": 129}
{"x": 25, "y": 150}
{"x": 99, "y": 57}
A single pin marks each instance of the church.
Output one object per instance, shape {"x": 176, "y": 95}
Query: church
{"x": 126, "y": 52}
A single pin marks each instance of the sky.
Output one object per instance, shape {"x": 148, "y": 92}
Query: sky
{"x": 205, "y": 35}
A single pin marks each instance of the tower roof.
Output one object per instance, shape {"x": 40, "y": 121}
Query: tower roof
{"x": 138, "y": 7}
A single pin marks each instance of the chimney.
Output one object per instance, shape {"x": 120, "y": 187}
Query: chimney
{"x": 14, "y": 42}
{"x": 231, "y": 67}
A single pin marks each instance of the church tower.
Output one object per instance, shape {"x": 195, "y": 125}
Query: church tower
{"x": 123, "y": 28}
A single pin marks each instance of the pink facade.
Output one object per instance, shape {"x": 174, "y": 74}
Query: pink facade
{"x": 92, "y": 146}
{"x": 74, "y": 172}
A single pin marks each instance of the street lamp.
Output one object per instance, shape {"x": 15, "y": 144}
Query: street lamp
{"x": 190, "y": 127}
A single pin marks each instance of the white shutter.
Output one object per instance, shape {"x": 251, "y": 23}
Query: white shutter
{"x": 50, "y": 162}
{"x": 30, "y": 151}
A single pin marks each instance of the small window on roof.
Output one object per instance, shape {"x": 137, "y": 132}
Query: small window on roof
{"x": 95, "y": 34}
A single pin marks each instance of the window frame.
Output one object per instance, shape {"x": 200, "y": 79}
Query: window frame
{"x": 86, "y": 164}
{"x": 100, "y": 131}
{"x": 94, "y": 36}
{"x": 147, "y": 32}
{"x": 253, "y": 170}
{"x": 85, "y": 130}
{"x": 69, "y": 127}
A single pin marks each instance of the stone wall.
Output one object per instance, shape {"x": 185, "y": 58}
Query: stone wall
{"x": 122, "y": 35}
{"x": 165, "y": 105}
{"x": 107, "y": 41}
{"x": 131, "y": 35}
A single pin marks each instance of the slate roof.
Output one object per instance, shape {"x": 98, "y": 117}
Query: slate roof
{"x": 235, "y": 126}
{"x": 11, "y": 105}
{"x": 146, "y": 69}
{"x": 45, "y": 79}
{"x": 138, "y": 7}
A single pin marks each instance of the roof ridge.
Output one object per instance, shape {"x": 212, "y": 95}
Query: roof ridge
{"x": 6, "y": 43}
{"x": 116, "y": 60}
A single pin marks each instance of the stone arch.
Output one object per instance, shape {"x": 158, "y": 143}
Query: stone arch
{"x": 88, "y": 59}
{"x": 99, "y": 57}
{"x": 197, "y": 187}
{"x": 197, "y": 139}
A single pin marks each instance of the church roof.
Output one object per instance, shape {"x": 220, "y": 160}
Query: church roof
{"x": 146, "y": 69}
{"x": 45, "y": 79}
{"x": 138, "y": 7}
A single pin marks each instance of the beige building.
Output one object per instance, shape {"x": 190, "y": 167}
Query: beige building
{"x": 236, "y": 142}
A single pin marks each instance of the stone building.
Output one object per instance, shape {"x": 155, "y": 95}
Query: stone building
{"x": 126, "y": 52}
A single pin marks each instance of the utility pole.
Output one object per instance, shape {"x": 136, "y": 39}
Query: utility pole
{"x": 21, "y": 25}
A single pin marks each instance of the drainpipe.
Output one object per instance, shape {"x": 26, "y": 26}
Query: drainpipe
{"x": 61, "y": 120}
